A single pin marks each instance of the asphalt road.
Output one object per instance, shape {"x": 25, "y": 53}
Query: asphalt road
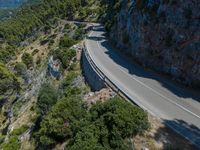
{"x": 174, "y": 105}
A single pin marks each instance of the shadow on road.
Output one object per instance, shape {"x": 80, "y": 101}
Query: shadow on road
{"x": 140, "y": 72}
{"x": 175, "y": 139}
{"x": 177, "y": 89}
{"x": 135, "y": 69}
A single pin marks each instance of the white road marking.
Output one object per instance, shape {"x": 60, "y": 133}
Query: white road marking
{"x": 180, "y": 106}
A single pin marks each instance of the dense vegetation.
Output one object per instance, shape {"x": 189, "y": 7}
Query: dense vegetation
{"x": 47, "y": 98}
{"x": 105, "y": 126}
{"x": 33, "y": 17}
{"x": 108, "y": 125}
{"x": 8, "y": 81}
{"x": 40, "y": 15}
{"x": 61, "y": 114}
{"x": 64, "y": 53}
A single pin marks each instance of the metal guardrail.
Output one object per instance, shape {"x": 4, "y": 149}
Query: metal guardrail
{"x": 107, "y": 81}
{"x": 122, "y": 94}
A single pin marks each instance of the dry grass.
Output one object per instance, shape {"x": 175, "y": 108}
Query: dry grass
{"x": 161, "y": 137}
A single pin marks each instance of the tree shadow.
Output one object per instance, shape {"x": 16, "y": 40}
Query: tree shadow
{"x": 136, "y": 69}
{"x": 174, "y": 139}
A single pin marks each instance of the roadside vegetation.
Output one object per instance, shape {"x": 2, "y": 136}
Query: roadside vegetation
{"x": 41, "y": 112}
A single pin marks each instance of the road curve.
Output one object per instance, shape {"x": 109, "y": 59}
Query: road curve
{"x": 175, "y": 106}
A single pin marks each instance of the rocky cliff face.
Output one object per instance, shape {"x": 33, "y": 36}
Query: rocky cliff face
{"x": 163, "y": 35}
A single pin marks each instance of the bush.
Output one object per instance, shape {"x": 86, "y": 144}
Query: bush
{"x": 108, "y": 125}
{"x": 67, "y": 26}
{"x": 8, "y": 81}
{"x": 64, "y": 55}
{"x": 66, "y": 42}
{"x": 27, "y": 59}
{"x": 20, "y": 69}
{"x": 12, "y": 144}
{"x": 7, "y": 53}
{"x": 127, "y": 120}
{"x": 19, "y": 131}
{"x": 56, "y": 125}
{"x": 79, "y": 34}
{"x": 47, "y": 98}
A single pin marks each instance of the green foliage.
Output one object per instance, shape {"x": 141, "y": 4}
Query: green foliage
{"x": 27, "y": 59}
{"x": 66, "y": 41}
{"x": 64, "y": 55}
{"x": 79, "y": 33}
{"x": 32, "y": 16}
{"x": 8, "y": 81}
{"x": 56, "y": 125}
{"x": 67, "y": 26}
{"x": 47, "y": 97}
{"x": 111, "y": 8}
{"x": 40, "y": 14}
{"x": 104, "y": 126}
{"x": 20, "y": 69}
{"x": 68, "y": 80}
{"x": 107, "y": 125}
{"x": 6, "y": 53}
{"x": 86, "y": 138}
{"x": 19, "y": 131}
{"x": 12, "y": 144}
{"x": 119, "y": 115}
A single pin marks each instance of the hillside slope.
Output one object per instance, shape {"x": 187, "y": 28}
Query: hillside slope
{"x": 162, "y": 35}
{"x": 11, "y": 3}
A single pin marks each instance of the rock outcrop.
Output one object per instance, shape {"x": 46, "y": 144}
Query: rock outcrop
{"x": 163, "y": 35}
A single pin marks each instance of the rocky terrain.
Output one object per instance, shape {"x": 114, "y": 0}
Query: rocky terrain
{"x": 162, "y": 35}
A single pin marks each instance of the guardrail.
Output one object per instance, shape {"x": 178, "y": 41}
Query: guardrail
{"x": 123, "y": 94}
{"x": 107, "y": 81}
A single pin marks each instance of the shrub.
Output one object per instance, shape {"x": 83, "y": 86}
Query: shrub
{"x": 27, "y": 59}
{"x": 47, "y": 98}
{"x": 107, "y": 125}
{"x": 79, "y": 34}
{"x": 66, "y": 41}
{"x": 35, "y": 51}
{"x": 19, "y": 131}
{"x": 8, "y": 81}
{"x": 56, "y": 125}
{"x": 12, "y": 144}
{"x": 20, "y": 69}
{"x": 64, "y": 55}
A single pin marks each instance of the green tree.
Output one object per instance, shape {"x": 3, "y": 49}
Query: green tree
{"x": 12, "y": 144}
{"x": 66, "y": 41}
{"x": 119, "y": 115}
{"x": 8, "y": 80}
{"x": 64, "y": 55}
{"x": 107, "y": 125}
{"x": 20, "y": 69}
{"x": 47, "y": 97}
{"x": 56, "y": 125}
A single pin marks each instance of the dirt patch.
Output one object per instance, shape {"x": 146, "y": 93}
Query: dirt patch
{"x": 161, "y": 137}
{"x": 102, "y": 95}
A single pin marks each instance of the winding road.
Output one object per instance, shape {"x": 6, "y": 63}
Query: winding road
{"x": 175, "y": 106}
